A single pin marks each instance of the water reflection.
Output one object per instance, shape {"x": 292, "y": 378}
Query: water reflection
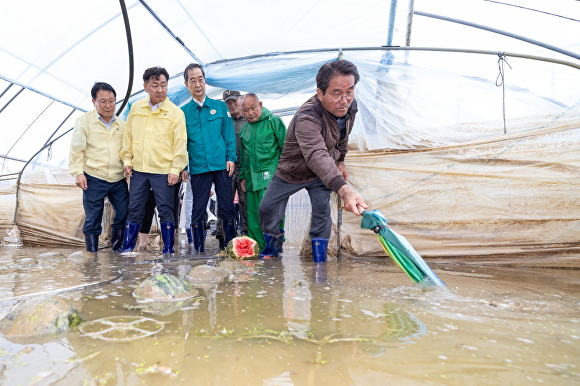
{"x": 297, "y": 297}
{"x": 291, "y": 322}
{"x": 212, "y": 306}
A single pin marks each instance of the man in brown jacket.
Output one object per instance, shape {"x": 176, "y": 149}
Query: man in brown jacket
{"x": 313, "y": 159}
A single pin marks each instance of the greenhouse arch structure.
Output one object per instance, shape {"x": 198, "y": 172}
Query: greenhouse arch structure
{"x": 467, "y": 137}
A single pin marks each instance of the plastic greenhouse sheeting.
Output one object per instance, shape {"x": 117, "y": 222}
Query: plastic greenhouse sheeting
{"x": 464, "y": 153}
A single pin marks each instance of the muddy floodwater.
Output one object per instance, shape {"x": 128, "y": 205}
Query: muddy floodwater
{"x": 290, "y": 322}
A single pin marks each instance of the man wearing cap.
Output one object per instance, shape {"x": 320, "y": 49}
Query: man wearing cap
{"x": 94, "y": 161}
{"x": 154, "y": 154}
{"x": 233, "y": 101}
{"x": 313, "y": 159}
{"x": 211, "y": 144}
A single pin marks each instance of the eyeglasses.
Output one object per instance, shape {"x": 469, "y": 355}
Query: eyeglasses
{"x": 106, "y": 103}
{"x": 349, "y": 96}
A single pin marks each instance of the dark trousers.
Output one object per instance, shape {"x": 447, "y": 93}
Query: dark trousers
{"x": 273, "y": 206}
{"x": 94, "y": 201}
{"x": 150, "y": 210}
{"x": 201, "y": 186}
{"x": 148, "y": 214}
{"x": 242, "y": 216}
{"x": 141, "y": 184}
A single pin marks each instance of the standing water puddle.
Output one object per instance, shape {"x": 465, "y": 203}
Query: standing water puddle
{"x": 290, "y": 322}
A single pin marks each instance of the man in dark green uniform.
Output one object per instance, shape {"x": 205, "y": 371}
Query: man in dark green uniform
{"x": 261, "y": 139}
{"x": 233, "y": 100}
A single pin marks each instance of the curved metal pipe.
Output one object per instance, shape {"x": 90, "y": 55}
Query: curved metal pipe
{"x": 534, "y": 10}
{"x": 43, "y": 93}
{"x": 435, "y": 49}
{"x": 505, "y": 33}
{"x": 11, "y": 99}
{"x": 170, "y": 32}
{"x": 392, "y": 14}
{"x": 131, "y": 59}
{"x": 409, "y": 22}
{"x": 6, "y": 89}
{"x": 59, "y": 126}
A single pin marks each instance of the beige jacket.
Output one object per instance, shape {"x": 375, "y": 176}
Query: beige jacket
{"x": 95, "y": 150}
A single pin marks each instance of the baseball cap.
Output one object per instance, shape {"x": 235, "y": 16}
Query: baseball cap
{"x": 231, "y": 94}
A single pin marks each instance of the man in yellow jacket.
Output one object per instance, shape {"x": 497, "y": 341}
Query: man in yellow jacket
{"x": 154, "y": 154}
{"x": 94, "y": 161}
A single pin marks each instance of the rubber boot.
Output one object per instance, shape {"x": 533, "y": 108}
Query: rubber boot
{"x": 189, "y": 233}
{"x": 278, "y": 243}
{"x": 130, "y": 236}
{"x": 92, "y": 243}
{"x": 117, "y": 239}
{"x": 199, "y": 237}
{"x": 319, "y": 245}
{"x": 283, "y": 239}
{"x": 168, "y": 237}
{"x": 229, "y": 231}
{"x": 273, "y": 245}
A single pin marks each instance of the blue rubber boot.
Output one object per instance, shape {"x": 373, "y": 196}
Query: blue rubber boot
{"x": 283, "y": 239}
{"x": 230, "y": 232}
{"x": 189, "y": 233}
{"x": 92, "y": 243}
{"x": 273, "y": 245}
{"x": 319, "y": 245}
{"x": 278, "y": 242}
{"x": 117, "y": 239}
{"x": 198, "y": 237}
{"x": 168, "y": 237}
{"x": 130, "y": 236}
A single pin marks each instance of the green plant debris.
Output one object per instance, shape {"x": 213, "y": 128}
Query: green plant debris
{"x": 155, "y": 369}
{"x": 80, "y": 360}
{"x": 281, "y": 336}
{"x": 75, "y": 319}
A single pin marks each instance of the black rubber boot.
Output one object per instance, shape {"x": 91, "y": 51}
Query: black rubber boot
{"x": 229, "y": 231}
{"x": 199, "y": 237}
{"x": 117, "y": 240}
{"x": 92, "y": 243}
{"x": 189, "y": 233}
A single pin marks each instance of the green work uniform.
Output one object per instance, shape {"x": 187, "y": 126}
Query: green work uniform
{"x": 261, "y": 146}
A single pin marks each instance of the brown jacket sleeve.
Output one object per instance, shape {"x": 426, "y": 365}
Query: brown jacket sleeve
{"x": 315, "y": 153}
{"x": 342, "y": 149}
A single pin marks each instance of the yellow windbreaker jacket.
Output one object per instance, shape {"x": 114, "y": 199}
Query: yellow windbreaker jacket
{"x": 155, "y": 142}
{"x": 95, "y": 150}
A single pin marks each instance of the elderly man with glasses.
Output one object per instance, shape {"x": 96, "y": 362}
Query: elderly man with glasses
{"x": 95, "y": 162}
{"x": 211, "y": 146}
{"x": 313, "y": 159}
